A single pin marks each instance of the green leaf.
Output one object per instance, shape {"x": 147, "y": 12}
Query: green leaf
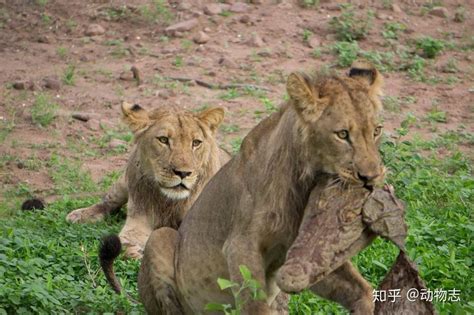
{"x": 245, "y": 272}
{"x": 225, "y": 284}
{"x": 216, "y": 307}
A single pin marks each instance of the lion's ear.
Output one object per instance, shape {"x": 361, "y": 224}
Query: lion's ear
{"x": 212, "y": 117}
{"x": 135, "y": 116}
{"x": 305, "y": 97}
{"x": 365, "y": 71}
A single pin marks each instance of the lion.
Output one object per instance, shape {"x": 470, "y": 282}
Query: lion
{"x": 174, "y": 156}
{"x": 250, "y": 212}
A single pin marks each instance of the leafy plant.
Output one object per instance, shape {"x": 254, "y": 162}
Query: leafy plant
{"x": 431, "y": 47}
{"x": 347, "y": 52}
{"x": 156, "y": 12}
{"x": 249, "y": 285}
{"x": 307, "y": 35}
{"x": 43, "y": 110}
{"x": 68, "y": 76}
{"x": 391, "y": 30}
{"x": 350, "y": 27}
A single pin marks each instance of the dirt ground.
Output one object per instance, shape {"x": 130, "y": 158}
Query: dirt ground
{"x": 79, "y": 53}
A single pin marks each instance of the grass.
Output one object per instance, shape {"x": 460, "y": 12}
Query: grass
{"x": 156, "y": 12}
{"x": 349, "y": 26}
{"x": 50, "y": 266}
{"x": 68, "y": 75}
{"x": 430, "y": 47}
{"x": 43, "y": 110}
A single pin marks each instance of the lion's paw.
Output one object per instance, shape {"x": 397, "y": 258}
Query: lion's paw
{"x": 133, "y": 252}
{"x": 84, "y": 215}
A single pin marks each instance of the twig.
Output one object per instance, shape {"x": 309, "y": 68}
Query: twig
{"x": 136, "y": 75}
{"x": 88, "y": 267}
{"x": 220, "y": 86}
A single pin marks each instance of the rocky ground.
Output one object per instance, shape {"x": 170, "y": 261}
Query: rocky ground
{"x": 66, "y": 67}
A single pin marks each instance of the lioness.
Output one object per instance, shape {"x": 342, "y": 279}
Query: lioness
{"x": 250, "y": 211}
{"x": 174, "y": 155}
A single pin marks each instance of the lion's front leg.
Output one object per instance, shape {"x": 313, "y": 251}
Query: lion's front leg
{"x": 134, "y": 234}
{"x": 156, "y": 282}
{"x": 346, "y": 286}
{"x": 114, "y": 199}
{"x": 244, "y": 251}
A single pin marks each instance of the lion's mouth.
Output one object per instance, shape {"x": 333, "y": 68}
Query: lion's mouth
{"x": 180, "y": 187}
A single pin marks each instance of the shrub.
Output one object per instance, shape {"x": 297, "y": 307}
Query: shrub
{"x": 348, "y": 26}
{"x": 431, "y": 47}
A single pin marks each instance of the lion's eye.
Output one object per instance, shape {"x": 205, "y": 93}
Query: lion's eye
{"x": 377, "y": 131}
{"x": 343, "y": 134}
{"x": 196, "y": 143}
{"x": 163, "y": 140}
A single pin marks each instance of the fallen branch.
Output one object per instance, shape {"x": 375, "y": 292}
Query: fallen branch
{"x": 220, "y": 86}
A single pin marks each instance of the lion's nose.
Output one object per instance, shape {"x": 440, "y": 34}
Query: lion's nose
{"x": 367, "y": 178}
{"x": 181, "y": 174}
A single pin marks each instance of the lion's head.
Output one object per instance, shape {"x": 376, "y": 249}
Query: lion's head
{"x": 340, "y": 119}
{"x": 173, "y": 145}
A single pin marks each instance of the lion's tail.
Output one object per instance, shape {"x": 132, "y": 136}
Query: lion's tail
{"x": 109, "y": 250}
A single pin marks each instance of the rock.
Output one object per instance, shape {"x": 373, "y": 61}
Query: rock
{"x": 201, "y": 38}
{"x": 184, "y": 6}
{"x": 313, "y": 42}
{"x": 239, "y": 7}
{"x": 52, "y": 83}
{"x": 212, "y": 9}
{"x": 23, "y": 85}
{"x": 166, "y": 94}
{"x": 244, "y": 19}
{"x": 44, "y": 39}
{"x": 223, "y": 61}
{"x": 81, "y": 116}
{"x": 94, "y": 30}
{"x": 117, "y": 143}
{"x": 439, "y": 11}
{"x": 256, "y": 1}
{"x": 333, "y": 7}
{"x": 126, "y": 76}
{"x": 255, "y": 41}
{"x": 396, "y": 8}
{"x": 180, "y": 27}
{"x": 381, "y": 16}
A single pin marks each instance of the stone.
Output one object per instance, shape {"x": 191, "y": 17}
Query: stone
{"x": 180, "y": 27}
{"x": 212, "y": 9}
{"x": 23, "y": 85}
{"x": 94, "y": 30}
{"x": 381, "y": 16}
{"x": 244, "y": 19}
{"x": 228, "y": 63}
{"x": 255, "y": 41}
{"x": 201, "y": 38}
{"x": 239, "y": 7}
{"x": 396, "y": 8}
{"x": 52, "y": 83}
{"x": 313, "y": 42}
{"x": 126, "y": 76}
{"x": 440, "y": 12}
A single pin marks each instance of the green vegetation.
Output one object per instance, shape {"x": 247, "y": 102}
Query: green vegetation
{"x": 249, "y": 285}
{"x": 349, "y": 26}
{"x": 392, "y": 29}
{"x": 430, "y": 47}
{"x": 156, "y": 12}
{"x": 68, "y": 75}
{"x": 43, "y": 110}
{"x": 62, "y": 52}
{"x": 308, "y": 3}
{"x": 347, "y": 52}
{"x": 50, "y": 266}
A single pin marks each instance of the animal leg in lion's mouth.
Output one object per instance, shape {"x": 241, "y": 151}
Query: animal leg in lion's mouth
{"x": 339, "y": 222}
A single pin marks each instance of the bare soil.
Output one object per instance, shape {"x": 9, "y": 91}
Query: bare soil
{"x": 261, "y": 46}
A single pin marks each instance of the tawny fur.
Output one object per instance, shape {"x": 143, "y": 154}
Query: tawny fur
{"x": 251, "y": 210}
{"x": 151, "y": 182}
